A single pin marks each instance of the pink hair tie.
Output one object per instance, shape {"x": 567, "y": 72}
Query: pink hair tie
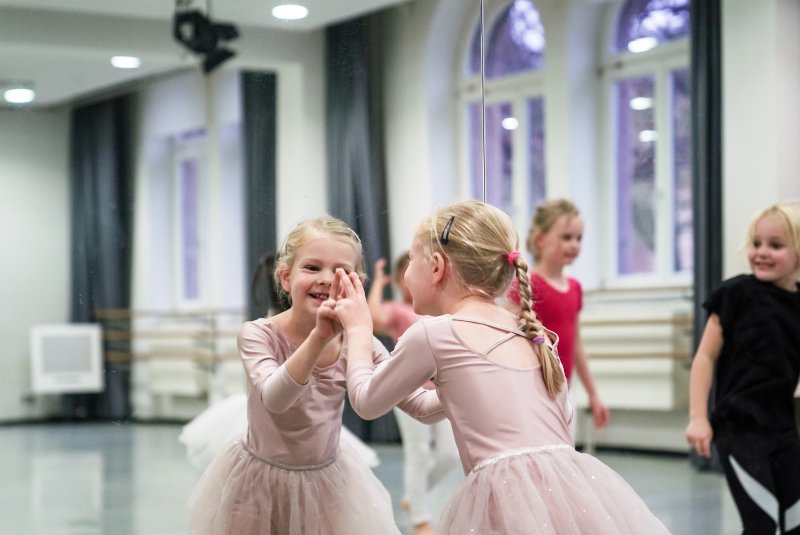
{"x": 513, "y": 255}
{"x": 539, "y": 340}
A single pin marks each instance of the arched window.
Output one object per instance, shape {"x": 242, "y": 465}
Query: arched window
{"x": 514, "y": 52}
{"x": 647, "y": 78}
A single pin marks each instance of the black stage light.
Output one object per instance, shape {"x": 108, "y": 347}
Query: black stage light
{"x": 197, "y": 33}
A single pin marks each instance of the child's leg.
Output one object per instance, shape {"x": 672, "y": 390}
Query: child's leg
{"x": 748, "y": 471}
{"x": 416, "y": 438}
{"x": 786, "y": 470}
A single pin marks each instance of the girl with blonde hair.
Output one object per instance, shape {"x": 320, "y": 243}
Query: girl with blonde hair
{"x": 499, "y": 380}
{"x": 751, "y": 349}
{"x": 289, "y": 475}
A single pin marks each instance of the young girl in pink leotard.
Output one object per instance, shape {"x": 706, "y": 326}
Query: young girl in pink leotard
{"x": 289, "y": 475}
{"x": 499, "y": 379}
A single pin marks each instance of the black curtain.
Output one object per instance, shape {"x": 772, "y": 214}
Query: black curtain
{"x": 706, "y": 75}
{"x": 356, "y": 169}
{"x": 259, "y": 99}
{"x": 101, "y": 182}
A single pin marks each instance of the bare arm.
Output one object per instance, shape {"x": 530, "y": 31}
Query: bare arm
{"x": 600, "y": 413}
{"x": 380, "y": 315}
{"x": 699, "y": 433}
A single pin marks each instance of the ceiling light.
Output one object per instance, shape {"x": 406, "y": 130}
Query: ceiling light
{"x": 648, "y": 136}
{"x": 19, "y": 95}
{"x": 641, "y": 103}
{"x": 125, "y": 62}
{"x": 290, "y": 12}
{"x": 510, "y": 123}
{"x": 642, "y": 44}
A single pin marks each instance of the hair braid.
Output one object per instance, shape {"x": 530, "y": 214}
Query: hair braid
{"x": 551, "y": 367}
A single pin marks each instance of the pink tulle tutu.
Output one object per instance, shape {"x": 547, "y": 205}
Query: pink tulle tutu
{"x": 241, "y": 494}
{"x": 547, "y": 490}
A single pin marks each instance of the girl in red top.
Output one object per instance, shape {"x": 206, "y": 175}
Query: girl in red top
{"x": 555, "y": 242}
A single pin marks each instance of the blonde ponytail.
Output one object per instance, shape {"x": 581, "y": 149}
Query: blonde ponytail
{"x": 551, "y": 367}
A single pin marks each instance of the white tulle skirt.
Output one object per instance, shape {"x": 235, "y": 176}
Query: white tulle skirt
{"x": 226, "y": 421}
{"x": 243, "y": 495}
{"x": 551, "y": 490}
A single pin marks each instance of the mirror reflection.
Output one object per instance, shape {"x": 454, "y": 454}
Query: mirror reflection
{"x": 151, "y": 153}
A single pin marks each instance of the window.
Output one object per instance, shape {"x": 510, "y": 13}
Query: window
{"x": 510, "y": 147}
{"x": 647, "y": 82}
{"x": 190, "y": 170}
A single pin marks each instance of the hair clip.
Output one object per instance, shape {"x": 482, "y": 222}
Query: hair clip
{"x": 513, "y": 255}
{"x": 539, "y": 340}
{"x": 446, "y": 231}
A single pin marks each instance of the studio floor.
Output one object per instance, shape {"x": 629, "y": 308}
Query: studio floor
{"x": 134, "y": 479}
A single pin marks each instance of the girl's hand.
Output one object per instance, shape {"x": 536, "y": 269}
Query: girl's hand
{"x": 380, "y": 277}
{"x": 328, "y": 324}
{"x": 352, "y": 309}
{"x": 600, "y": 413}
{"x": 699, "y": 435}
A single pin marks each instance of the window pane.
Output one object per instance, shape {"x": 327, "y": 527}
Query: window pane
{"x": 475, "y": 126}
{"x": 682, "y": 172}
{"x": 644, "y": 24}
{"x": 516, "y": 43}
{"x": 636, "y": 140}
{"x": 536, "y": 178}
{"x": 499, "y": 158}
{"x": 190, "y": 243}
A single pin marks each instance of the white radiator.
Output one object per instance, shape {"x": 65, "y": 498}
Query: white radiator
{"x": 67, "y": 358}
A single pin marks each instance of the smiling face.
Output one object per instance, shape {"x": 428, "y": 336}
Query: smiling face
{"x": 308, "y": 280}
{"x": 561, "y": 244}
{"x": 772, "y": 254}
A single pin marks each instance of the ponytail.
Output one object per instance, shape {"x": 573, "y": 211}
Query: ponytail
{"x": 552, "y": 372}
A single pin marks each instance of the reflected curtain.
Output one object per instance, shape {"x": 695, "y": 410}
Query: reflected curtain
{"x": 102, "y": 192}
{"x": 356, "y": 168}
{"x": 259, "y": 140}
{"x": 706, "y": 84}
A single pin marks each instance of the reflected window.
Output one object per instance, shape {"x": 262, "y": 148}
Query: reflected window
{"x": 509, "y": 136}
{"x": 515, "y": 44}
{"x": 650, "y": 119}
{"x": 645, "y": 24}
{"x": 190, "y": 160}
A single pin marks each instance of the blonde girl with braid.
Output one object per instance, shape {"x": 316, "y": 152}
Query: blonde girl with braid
{"x": 499, "y": 380}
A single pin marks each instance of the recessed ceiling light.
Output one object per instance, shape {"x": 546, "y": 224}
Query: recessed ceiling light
{"x": 641, "y": 103}
{"x": 648, "y": 136}
{"x": 125, "y": 62}
{"x": 290, "y": 12}
{"x": 642, "y": 44}
{"x": 510, "y": 123}
{"x": 19, "y": 95}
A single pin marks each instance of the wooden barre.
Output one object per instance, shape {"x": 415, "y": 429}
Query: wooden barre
{"x": 661, "y": 355}
{"x": 680, "y": 321}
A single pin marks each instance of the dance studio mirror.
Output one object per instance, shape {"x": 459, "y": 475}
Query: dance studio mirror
{"x": 209, "y": 170}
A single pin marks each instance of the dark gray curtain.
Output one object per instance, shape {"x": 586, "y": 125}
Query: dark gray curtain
{"x": 259, "y": 99}
{"x": 101, "y": 181}
{"x": 357, "y": 181}
{"x": 706, "y": 74}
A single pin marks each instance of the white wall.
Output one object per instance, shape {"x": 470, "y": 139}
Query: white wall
{"x": 34, "y": 238}
{"x": 761, "y": 114}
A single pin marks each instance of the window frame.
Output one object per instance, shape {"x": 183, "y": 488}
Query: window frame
{"x": 515, "y": 89}
{"x": 660, "y": 62}
{"x": 192, "y": 149}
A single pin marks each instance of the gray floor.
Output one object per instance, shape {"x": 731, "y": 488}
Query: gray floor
{"x": 134, "y": 479}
